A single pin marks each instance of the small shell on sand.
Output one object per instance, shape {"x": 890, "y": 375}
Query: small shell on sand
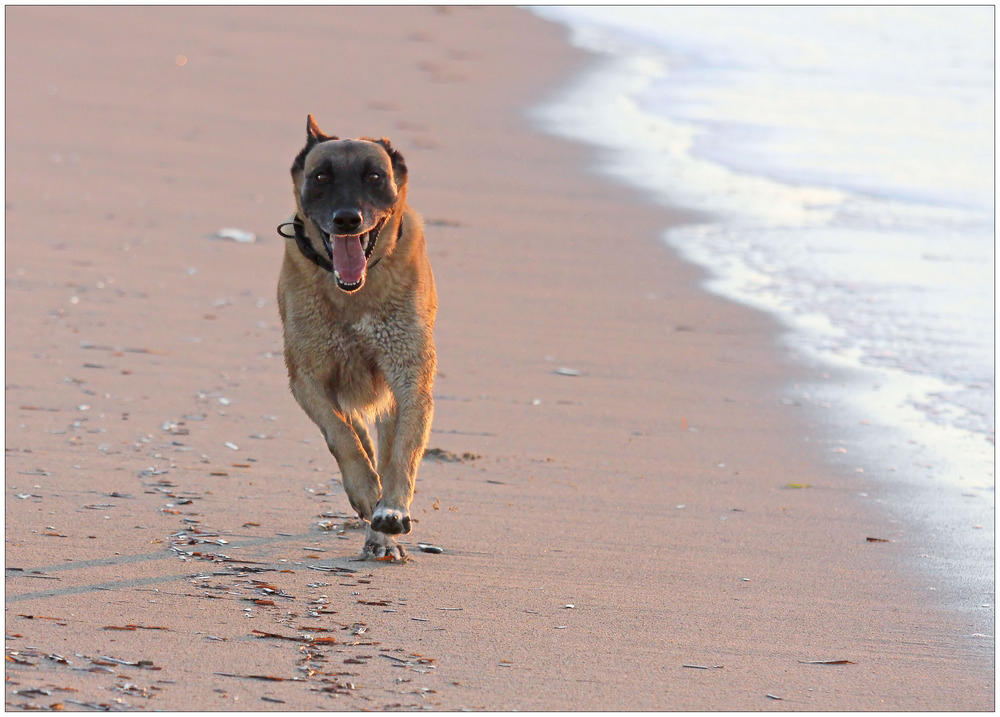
{"x": 236, "y": 235}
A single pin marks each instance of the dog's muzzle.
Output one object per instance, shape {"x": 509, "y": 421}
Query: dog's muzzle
{"x": 349, "y": 254}
{"x": 353, "y": 251}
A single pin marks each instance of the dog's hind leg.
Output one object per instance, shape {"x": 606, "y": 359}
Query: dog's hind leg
{"x": 381, "y": 546}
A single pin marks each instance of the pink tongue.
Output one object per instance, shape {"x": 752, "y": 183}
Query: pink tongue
{"x": 348, "y": 258}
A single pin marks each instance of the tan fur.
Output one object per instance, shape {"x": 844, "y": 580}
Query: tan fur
{"x": 369, "y": 354}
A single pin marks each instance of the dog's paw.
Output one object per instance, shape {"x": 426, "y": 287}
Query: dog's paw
{"x": 363, "y": 509}
{"x": 382, "y": 547}
{"x": 390, "y": 520}
{"x": 363, "y": 496}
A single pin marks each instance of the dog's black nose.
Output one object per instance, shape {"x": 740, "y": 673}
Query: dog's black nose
{"x": 347, "y": 221}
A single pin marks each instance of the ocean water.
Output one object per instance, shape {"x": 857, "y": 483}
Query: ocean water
{"x": 843, "y": 160}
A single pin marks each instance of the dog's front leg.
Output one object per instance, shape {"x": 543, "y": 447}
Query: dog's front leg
{"x": 406, "y": 440}
{"x": 361, "y": 482}
{"x": 379, "y": 545}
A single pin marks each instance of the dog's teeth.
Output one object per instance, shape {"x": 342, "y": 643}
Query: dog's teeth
{"x": 336, "y": 273}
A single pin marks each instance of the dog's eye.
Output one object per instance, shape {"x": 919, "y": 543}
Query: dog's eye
{"x": 322, "y": 177}
{"x": 373, "y": 177}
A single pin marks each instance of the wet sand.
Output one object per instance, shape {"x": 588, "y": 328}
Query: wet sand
{"x": 653, "y": 529}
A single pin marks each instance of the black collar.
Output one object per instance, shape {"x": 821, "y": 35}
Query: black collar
{"x": 310, "y": 253}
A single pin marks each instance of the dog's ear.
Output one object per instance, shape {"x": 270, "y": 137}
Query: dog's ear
{"x": 398, "y": 163}
{"x": 314, "y": 135}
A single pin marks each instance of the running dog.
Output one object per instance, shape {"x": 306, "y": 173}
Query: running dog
{"x": 357, "y": 302}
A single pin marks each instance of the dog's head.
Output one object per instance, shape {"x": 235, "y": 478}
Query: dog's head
{"x": 348, "y": 189}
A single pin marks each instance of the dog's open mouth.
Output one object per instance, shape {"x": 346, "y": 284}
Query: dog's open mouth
{"x": 349, "y": 254}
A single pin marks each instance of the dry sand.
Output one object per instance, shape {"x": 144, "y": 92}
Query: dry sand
{"x": 615, "y": 528}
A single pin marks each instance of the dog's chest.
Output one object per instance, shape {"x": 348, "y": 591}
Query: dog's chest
{"x": 371, "y": 336}
{"x": 373, "y": 331}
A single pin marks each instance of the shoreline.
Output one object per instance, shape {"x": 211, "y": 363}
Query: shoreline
{"x": 951, "y": 497}
{"x": 613, "y": 527}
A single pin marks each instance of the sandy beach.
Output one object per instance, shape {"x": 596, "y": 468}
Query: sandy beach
{"x": 631, "y": 517}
